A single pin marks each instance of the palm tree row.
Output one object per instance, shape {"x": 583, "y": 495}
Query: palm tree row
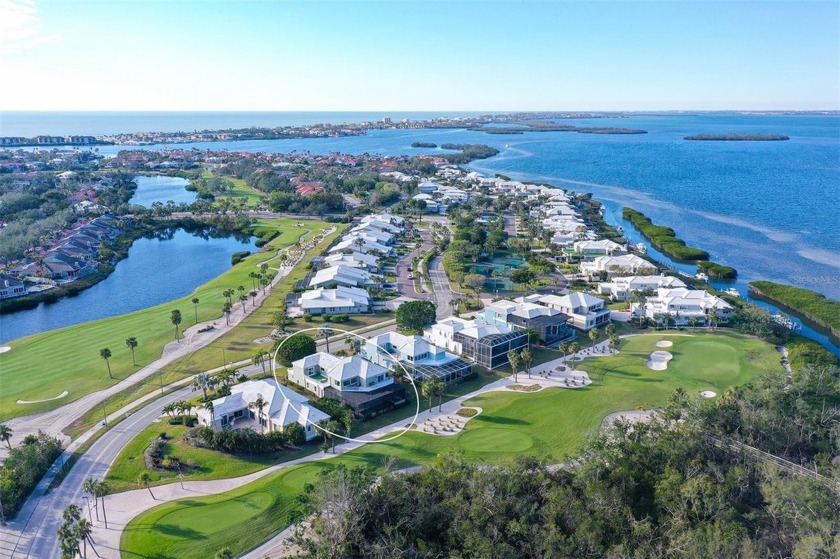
{"x": 524, "y": 358}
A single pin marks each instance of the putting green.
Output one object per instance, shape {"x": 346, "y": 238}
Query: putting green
{"x": 550, "y": 424}
{"x": 495, "y": 440}
{"x": 208, "y": 518}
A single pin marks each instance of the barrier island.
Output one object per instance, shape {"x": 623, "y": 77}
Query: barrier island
{"x": 809, "y": 305}
{"x": 738, "y": 137}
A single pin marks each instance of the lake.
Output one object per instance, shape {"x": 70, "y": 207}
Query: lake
{"x": 181, "y": 262}
{"x": 159, "y": 188}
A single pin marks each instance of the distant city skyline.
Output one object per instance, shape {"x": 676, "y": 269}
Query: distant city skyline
{"x": 419, "y": 56}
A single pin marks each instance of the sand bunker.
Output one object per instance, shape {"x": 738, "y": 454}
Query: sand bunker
{"x": 708, "y": 394}
{"x": 664, "y": 343}
{"x": 659, "y": 360}
{"x": 5, "y": 348}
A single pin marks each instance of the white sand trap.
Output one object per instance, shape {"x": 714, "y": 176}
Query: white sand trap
{"x": 708, "y": 394}
{"x": 62, "y": 395}
{"x": 664, "y": 343}
{"x": 659, "y": 360}
{"x": 5, "y": 348}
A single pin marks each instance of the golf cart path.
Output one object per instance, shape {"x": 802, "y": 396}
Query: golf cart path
{"x": 123, "y": 507}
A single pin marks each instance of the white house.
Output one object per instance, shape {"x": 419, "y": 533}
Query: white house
{"x": 366, "y": 262}
{"x": 420, "y": 358}
{"x": 625, "y": 264}
{"x": 11, "y": 287}
{"x": 372, "y": 233}
{"x": 682, "y": 305}
{"x": 359, "y": 243}
{"x": 322, "y": 370}
{"x": 620, "y": 288}
{"x": 585, "y": 311}
{"x": 386, "y": 217}
{"x": 487, "y": 344}
{"x": 347, "y": 276}
{"x": 282, "y": 408}
{"x": 600, "y": 247}
{"x": 341, "y": 300}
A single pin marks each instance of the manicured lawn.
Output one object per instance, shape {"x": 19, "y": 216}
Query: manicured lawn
{"x": 43, "y": 365}
{"x": 551, "y": 424}
{"x": 235, "y": 345}
{"x": 123, "y": 474}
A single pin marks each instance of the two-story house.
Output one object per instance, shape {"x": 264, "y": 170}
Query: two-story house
{"x": 417, "y": 356}
{"x": 585, "y": 311}
{"x": 364, "y": 386}
{"x": 486, "y": 344}
{"x": 682, "y": 307}
{"x": 549, "y": 323}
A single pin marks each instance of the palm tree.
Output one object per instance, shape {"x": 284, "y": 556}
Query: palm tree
{"x": 326, "y": 332}
{"x": 242, "y": 299}
{"x": 527, "y": 360}
{"x": 105, "y": 354}
{"x": 253, "y": 295}
{"x": 593, "y": 336}
{"x": 226, "y": 308}
{"x": 609, "y": 330}
{"x": 195, "y": 301}
{"x": 208, "y": 405}
{"x": 573, "y": 349}
{"x": 100, "y": 489}
{"x": 202, "y": 381}
{"x": 259, "y": 358}
{"x": 175, "y": 318}
{"x": 259, "y": 404}
{"x": 564, "y": 347}
{"x": 253, "y": 276}
{"x": 227, "y": 293}
{"x": 82, "y": 531}
{"x": 264, "y": 281}
{"x": 613, "y": 342}
{"x": 89, "y": 487}
{"x": 6, "y": 435}
{"x": 131, "y": 343}
{"x": 513, "y": 357}
{"x": 693, "y": 322}
{"x": 428, "y": 389}
{"x": 144, "y": 479}
{"x": 263, "y": 268}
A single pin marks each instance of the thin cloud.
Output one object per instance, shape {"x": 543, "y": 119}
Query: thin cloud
{"x": 20, "y": 26}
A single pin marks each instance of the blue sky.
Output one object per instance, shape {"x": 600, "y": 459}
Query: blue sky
{"x": 485, "y": 56}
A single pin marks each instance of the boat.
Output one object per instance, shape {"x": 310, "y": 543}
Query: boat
{"x": 641, "y": 248}
{"x": 702, "y": 277}
{"x": 784, "y": 320}
{"x": 733, "y": 292}
{"x": 619, "y": 229}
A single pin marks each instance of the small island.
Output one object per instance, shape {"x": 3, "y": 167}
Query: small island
{"x": 423, "y": 145}
{"x": 738, "y": 137}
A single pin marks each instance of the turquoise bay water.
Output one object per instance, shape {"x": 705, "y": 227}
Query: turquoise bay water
{"x": 159, "y": 268}
{"x": 161, "y": 189}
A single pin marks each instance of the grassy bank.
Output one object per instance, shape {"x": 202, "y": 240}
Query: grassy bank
{"x": 42, "y": 366}
{"x": 808, "y": 305}
{"x": 551, "y": 424}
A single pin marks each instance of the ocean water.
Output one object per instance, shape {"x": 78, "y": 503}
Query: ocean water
{"x": 770, "y": 209}
{"x": 34, "y": 123}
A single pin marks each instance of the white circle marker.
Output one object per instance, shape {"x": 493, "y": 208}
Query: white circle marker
{"x": 708, "y": 394}
{"x": 5, "y": 348}
{"x": 405, "y": 430}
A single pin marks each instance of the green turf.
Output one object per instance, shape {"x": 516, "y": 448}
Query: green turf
{"x": 43, "y": 365}
{"x": 209, "y": 464}
{"x": 551, "y": 424}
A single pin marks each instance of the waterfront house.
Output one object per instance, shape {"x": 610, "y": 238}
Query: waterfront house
{"x": 624, "y": 264}
{"x": 420, "y": 358}
{"x": 680, "y": 305}
{"x": 619, "y": 289}
{"x": 598, "y": 248}
{"x": 283, "y": 407}
{"x": 585, "y": 311}
{"x": 364, "y": 386}
{"x": 11, "y": 287}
